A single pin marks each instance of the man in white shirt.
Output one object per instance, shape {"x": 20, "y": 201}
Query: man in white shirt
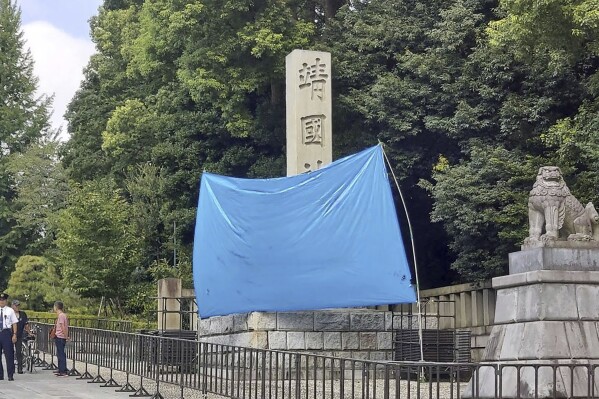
{"x": 8, "y": 337}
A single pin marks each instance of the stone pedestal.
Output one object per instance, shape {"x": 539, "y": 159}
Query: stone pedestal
{"x": 365, "y": 334}
{"x": 169, "y": 307}
{"x": 547, "y": 313}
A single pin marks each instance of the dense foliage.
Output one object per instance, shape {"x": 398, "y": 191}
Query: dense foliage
{"x": 34, "y": 282}
{"x": 23, "y": 122}
{"x": 470, "y": 97}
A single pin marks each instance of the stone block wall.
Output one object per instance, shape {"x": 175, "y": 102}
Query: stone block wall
{"x": 465, "y": 306}
{"x": 354, "y": 333}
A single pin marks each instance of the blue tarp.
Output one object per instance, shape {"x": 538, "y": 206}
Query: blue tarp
{"x": 323, "y": 239}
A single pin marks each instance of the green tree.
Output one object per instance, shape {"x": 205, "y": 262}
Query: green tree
{"x": 35, "y": 282}
{"x": 563, "y": 28}
{"x": 562, "y": 35}
{"x": 576, "y": 144}
{"x": 150, "y": 211}
{"x": 23, "y": 120}
{"x": 178, "y": 87}
{"x": 106, "y": 85}
{"x": 41, "y": 189}
{"x": 183, "y": 86}
{"x": 398, "y": 68}
{"x": 535, "y": 97}
{"x": 482, "y": 203}
{"x": 447, "y": 80}
{"x": 144, "y": 289}
{"x": 98, "y": 247}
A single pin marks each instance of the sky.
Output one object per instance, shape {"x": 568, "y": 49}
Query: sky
{"x": 57, "y": 33}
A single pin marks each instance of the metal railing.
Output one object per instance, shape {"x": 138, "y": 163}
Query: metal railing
{"x": 101, "y": 324}
{"x": 248, "y": 373}
{"x": 438, "y": 344}
{"x": 177, "y": 312}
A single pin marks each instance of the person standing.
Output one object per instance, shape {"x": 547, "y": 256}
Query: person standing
{"x": 60, "y": 340}
{"x": 22, "y": 327}
{"x": 8, "y": 337}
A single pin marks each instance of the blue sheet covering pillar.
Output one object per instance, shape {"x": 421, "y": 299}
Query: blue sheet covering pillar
{"x": 324, "y": 239}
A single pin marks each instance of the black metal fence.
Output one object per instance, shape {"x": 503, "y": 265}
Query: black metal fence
{"x": 182, "y": 312}
{"x": 439, "y": 343}
{"x": 236, "y": 372}
{"x": 101, "y": 324}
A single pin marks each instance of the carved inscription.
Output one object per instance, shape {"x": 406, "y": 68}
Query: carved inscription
{"x": 314, "y": 76}
{"x": 308, "y": 93}
{"x": 313, "y": 129}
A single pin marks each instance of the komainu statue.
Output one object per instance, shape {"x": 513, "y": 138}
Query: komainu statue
{"x": 553, "y": 209}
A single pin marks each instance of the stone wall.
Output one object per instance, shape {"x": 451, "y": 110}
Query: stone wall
{"x": 355, "y": 333}
{"x": 465, "y": 307}
{"x": 349, "y": 332}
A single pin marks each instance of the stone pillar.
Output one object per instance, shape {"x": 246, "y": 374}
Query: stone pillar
{"x": 455, "y": 306}
{"x": 546, "y": 314}
{"x": 465, "y": 309}
{"x": 446, "y": 313}
{"x": 477, "y": 308}
{"x": 309, "y": 111}
{"x": 169, "y": 317}
{"x": 489, "y": 306}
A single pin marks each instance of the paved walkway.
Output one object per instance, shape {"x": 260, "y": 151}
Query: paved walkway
{"x": 43, "y": 384}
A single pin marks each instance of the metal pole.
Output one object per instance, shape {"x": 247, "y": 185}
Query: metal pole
{"x": 175, "y": 243}
{"x": 413, "y": 252}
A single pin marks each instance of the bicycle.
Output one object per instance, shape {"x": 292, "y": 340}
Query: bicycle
{"x": 30, "y": 351}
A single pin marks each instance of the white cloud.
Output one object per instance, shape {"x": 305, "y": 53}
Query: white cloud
{"x": 59, "y": 61}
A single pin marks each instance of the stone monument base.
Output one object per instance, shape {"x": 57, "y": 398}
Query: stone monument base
{"x": 356, "y": 333}
{"x": 544, "y": 317}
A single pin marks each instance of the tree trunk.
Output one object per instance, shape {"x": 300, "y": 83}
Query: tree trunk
{"x": 331, "y": 7}
{"x": 100, "y": 308}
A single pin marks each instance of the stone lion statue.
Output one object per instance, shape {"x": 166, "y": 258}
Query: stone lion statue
{"x": 553, "y": 209}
